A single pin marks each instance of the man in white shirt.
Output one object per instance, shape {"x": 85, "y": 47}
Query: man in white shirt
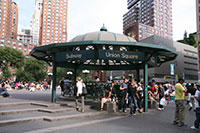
{"x": 197, "y": 97}
{"x": 79, "y": 86}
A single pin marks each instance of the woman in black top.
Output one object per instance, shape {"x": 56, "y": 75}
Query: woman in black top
{"x": 161, "y": 93}
{"x": 132, "y": 89}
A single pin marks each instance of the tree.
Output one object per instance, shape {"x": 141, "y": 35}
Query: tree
{"x": 33, "y": 70}
{"x": 191, "y": 40}
{"x": 62, "y": 72}
{"x": 10, "y": 58}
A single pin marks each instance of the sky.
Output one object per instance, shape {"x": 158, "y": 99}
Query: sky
{"x": 89, "y": 15}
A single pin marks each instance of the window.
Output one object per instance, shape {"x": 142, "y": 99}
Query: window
{"x": 2, "y": 41}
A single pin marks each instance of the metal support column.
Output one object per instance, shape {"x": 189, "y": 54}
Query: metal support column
{"x": 53, "y": 96}
{"x": 145, "y": 87}
{"x": 75, "y": 76}
{"x": 138, "y": 75}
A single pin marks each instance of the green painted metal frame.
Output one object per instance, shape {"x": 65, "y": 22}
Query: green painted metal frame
{"x": 47, "y": 53}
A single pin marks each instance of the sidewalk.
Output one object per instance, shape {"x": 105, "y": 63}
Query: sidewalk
{"x": 29, "y": 116}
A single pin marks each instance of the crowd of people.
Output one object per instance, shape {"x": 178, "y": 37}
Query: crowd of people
{"x": 130, "y": 93}
{"x": 7, "y": 84}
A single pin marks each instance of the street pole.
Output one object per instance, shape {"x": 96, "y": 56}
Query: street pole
{"x": 145, "y": 87}
{"x": 53, "y": 97}
{"x": 138, "y": 75}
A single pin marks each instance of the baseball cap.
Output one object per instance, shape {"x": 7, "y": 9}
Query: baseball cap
{"x": 181, "y": 79}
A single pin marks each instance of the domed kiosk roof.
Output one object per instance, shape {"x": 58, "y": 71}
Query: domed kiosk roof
{"x": 103, "y": 35}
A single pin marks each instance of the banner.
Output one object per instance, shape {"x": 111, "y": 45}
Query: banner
{"x": 172, "y": 69}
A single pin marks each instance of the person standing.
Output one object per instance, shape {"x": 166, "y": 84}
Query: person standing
{"x": 123, "y": 88}
{"x": 61, "y": 83}
{"x": 139, "y": 97}
{"x": 191, "y": 91}
{"x": 79, "y": 86}
{"x": 132, "y": 89}
{"x": 179, "y": 101}
{"x": 197, "y": 97}
{"x": 161, "y": 94}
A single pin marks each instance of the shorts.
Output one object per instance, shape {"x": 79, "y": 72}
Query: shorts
{"x": 106, "y": 100}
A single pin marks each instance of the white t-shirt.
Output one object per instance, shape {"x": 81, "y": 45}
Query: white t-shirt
{"x": 79, "y": 86}
{"x": 197, "y": 94}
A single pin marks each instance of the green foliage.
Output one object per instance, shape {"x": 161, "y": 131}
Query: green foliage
{"x": 33, "y": 70}
{"x": 62, "y": 72}
{"x": 191, "y": 40}
{"x": 10, "y": 58}
{"x": 6, "y": 72}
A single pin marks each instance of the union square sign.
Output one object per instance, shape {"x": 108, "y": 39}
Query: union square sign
{"x": 100, "y": 54}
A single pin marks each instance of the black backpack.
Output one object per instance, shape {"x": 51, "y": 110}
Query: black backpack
{"x": 67, "y": 84}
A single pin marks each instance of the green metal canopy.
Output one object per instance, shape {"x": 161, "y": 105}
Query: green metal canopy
{"x": 91, "y": 46}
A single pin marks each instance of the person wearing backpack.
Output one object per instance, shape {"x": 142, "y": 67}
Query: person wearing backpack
{"x": 66, "y": 86}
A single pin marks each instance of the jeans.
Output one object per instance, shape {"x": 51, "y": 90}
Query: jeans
{"x": 5, "y": 94}
{"x": 132, "y": 100}
{"x": 197, "y": 121}
{"x": 139, "y": 102}
{"x": 82, "y": 103}
{"x": 123, "y": 101}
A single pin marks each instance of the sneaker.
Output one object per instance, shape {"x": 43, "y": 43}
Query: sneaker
{"x": 175, "y": 123}
{"x": 182, "y": 125}
{"x": 194, "y": 128}
{"x": 159, "y": 109}
{"x": 124, "y": 111}
{"x": 190, "y": 108}
{"x": 120, "y": 110}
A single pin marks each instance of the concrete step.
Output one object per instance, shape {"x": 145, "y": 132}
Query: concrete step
{"x": 17, "y": 111}
{"x": 46, "y": 110}
{"x": 62, "y": 117}
{"x": 15, "y": 104}
{"x": 20, "y": 120}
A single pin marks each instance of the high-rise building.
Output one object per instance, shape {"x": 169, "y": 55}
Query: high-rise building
{"x": 14, "y": 20}
{"x": 35, "y": 23}
{"x": 198, "y": 33}
{"x": 5, "y": 18}
{"x": 148, "y": 17}
{"x": 53, "y": 24}
{"x": 25, "y": 36}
